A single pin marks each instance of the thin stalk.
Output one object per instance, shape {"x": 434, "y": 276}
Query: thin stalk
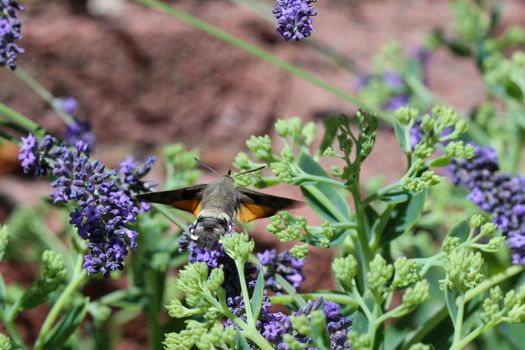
{"x": 256, "y": 51}
{"x": 469, "y": 337}
{"x": 320, "y": 179}
{"x": 442, "y": 314}
{"x": 245, "y": 294}
{"x": 19, "y": 119}
{"x": 161, "y": 209}
{"x": 12, "y": 331}
{"x": 329, "y": 54}
{"x": 79, "y": 276}
{"x": 458, "y": 325}
{"x": 288, "y": 288}
{"x": 338, "y": 298}
{"x": 41, "y": 91}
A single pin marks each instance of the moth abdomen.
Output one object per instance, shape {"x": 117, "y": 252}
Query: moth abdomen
{"x": 208, "y": 230}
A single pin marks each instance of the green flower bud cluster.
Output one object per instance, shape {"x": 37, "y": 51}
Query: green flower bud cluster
{"x": 261, "y": 147}
{"x": 180, "y": 165}
{"x": 509, "y": 308}
{"x": 292, "y": 128}
{"x": 217, "y": 335}
{"x": 187, "y": 338}
{"x": 457, "y": 149}
{"x": 345, "y": 270}
{"x": 301, "y": 324}
{"x": 380, "y": 273}
{"x": 359, "y": 342}
{"x": 4, "y": 240}
{"x": 100, "y": 313}
{"x": 416, "y": 294}
{"x": 406, "y": 115}
{"x": 406, "y": 273}
{"x": 505, "y": 76}
{"x": 238, "y": 246}
{"x": 299, "y": 251}
{"x": 287, "y": 227}
{"x": 468, "y": 20}
{"x": 292, "y": 343}
{"x": 463, "y": 269}
{"x": 283, "y": 170}
{"x": 427, "y": 179}
{"x": 192, "y": 281}
{"x": 5, "y": 343}
{"x": 53, "y": 272}
{"x": 244, "y": 163}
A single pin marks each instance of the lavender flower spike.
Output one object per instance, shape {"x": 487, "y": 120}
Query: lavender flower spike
{"x": 294, "y": 20}
{"x": 283, "y": 264}
{"x": 9, "y": 33}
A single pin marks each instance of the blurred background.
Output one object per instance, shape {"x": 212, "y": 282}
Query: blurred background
{"x": 144, "y": 80}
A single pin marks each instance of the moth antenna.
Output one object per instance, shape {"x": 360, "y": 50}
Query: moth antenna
{"x": 201, "y": 163}
{"x": 251, "y": 170}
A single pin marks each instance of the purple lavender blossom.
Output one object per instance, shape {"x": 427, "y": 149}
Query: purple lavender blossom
{"x": 68, "y": 104}
{"x": 104, "y": 200}
{"x": 9, "y": 33}
{"x": 337, "y": 326}
{"x": 34, "y": 156}
{"x": 294, "y": 20}
{"x": 283, "y": 264}
{"x": 499, "y": 194}
{"x": 80, "y": 131}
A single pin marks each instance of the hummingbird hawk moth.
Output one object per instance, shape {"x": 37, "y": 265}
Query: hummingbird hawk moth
{"x": 216, "y": 205}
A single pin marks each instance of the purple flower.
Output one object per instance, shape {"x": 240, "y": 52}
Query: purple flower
{"x": 283, "y": 264}
{"x": 68, "y": 104}
{"x": 80, "y": 131}
{"x": 103, "y": 199}
{"x": 9, "y": 33}
{"x": 499, "y": 194}
{"x": 294, "y": 20}
{"x": 34, "y": 156}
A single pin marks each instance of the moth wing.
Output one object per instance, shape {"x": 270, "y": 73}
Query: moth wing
{"x": 186, "y": 198}
{"x": 256, "y": 205}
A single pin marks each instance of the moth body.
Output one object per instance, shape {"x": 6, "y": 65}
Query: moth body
{"x": 217, "y": 204}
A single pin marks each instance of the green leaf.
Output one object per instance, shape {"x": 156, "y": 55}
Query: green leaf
{"x": 396, "y": 197}
{"x": 513, "y": 90}
{"x": 460, "y": 231}
{"x": 331, "y": 123}
{"x": 258, "y": 294}
{"x": 404, "y": 216}
{"x": 402, "y": 136}
{"x": 324, "y": 199}
{"x": 440, "y": 162}
{"x": 33, "y": 297}
{"x": 65, "y": 328}
{"x": 450, "y": 301}
{"x": 240, "y": 342}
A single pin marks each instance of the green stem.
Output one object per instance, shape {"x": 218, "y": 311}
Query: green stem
{"x": 152, "y": 309}
{"x": 319, "y": 179}
{"x": 256, "y": 51}
{"x": 248, "y": 331}
{"x": 20, "y": 120}
{"x": 164, "y": 211}
{"x": 12, "y": 331}
{"x": 41, "y": 91}
{"x": 79, "y": 276}
{"x": 493, "y": 280}
{"x": 469, "y": 337}
{"x": 338, "y": 298}
{"x": 245, "y": 294}
{"x": 362, "y": 233}
{"x": 458, "y": 325}
{"x": 288, "y": 288}
{"x": 442, "y": 314}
